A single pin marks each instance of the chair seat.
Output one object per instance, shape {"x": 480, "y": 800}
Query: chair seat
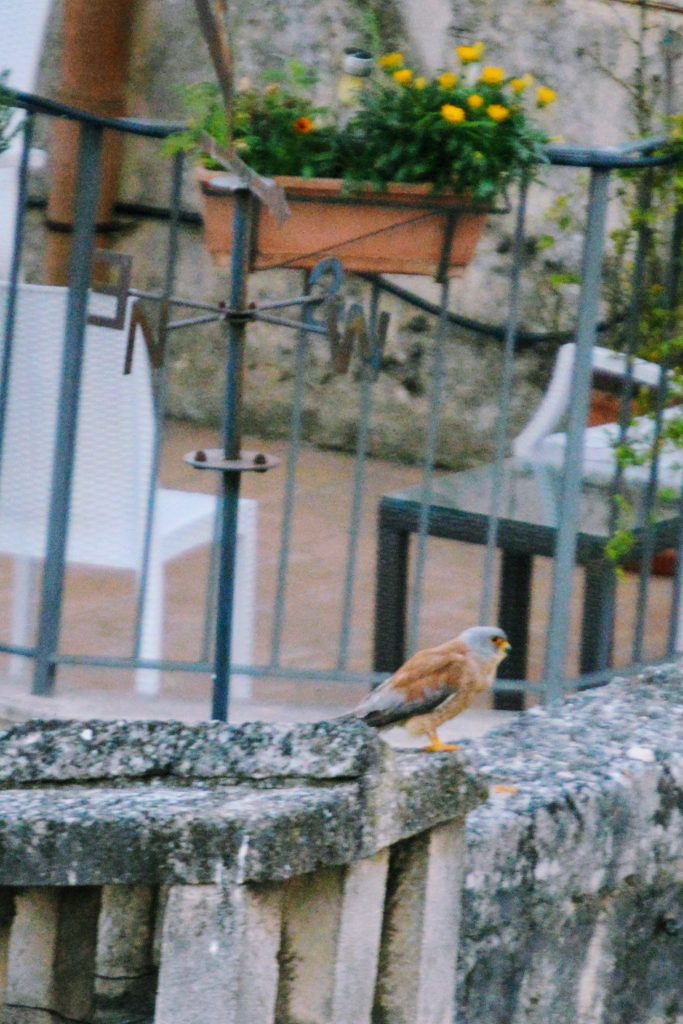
{"x": 184, "y": 520}
{"x": 599, "y": 458}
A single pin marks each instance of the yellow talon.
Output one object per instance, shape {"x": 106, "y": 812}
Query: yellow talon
{"x": 437, "y": 747}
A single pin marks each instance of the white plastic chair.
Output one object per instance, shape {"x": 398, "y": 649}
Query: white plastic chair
{"x": 112, "y": 474}
{"x": 541, "y": 443}
{"x": 22, "y": 28}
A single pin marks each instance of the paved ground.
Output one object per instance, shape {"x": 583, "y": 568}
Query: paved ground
{"x": 100, "y": 608}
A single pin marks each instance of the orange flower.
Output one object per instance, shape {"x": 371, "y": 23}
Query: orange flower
{"x": 544, "y": 96}
{"x": 303, "y": 126}
{"x": 520, "y": 84}
{"x": 492, "y": 76}
{"x": 470, "y": 54}
{"x": 452, "y": 114}
{"x": 447, "y": 80}
{"x": 391, "y": 60}
{"x": 497, "y": 112}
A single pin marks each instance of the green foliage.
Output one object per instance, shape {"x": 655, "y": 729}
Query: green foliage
{"x": 403, "y": 130}
{"x": 7, "y": 132}
{"x": 276, "y": 129}
{"x": 619, "y": 546}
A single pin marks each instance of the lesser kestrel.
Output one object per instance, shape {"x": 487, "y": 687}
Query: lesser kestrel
{"x": 436, "y": 684}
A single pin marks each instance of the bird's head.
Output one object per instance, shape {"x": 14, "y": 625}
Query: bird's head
{"x": 487, "y": 642}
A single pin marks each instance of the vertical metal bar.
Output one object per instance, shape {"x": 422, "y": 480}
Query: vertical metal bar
{"x": 160, "y": 395}
{"x": 90, "y": 152}
{"x": 565, "y": 547}
{"x": 290, "y": 493}
{"x": 232, "y": 438}
{"x": 428, "y": 470}
{"x": 675, "y": 641}
{"x": 650, "y": 495}
{"x": 366, "y": 397}
{"x": 604, "y": 628}
{"x": 211, "y": 590}
{"x": 503, "y": 423}
{"x": 13, "y": 283}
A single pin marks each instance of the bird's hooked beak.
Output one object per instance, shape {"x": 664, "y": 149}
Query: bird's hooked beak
{"x": 504, "y": 647}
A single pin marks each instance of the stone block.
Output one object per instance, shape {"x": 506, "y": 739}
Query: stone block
{"x": 6, "y": 917}
{"x": 219, "y": 955}
{"x": 331, "y": 938}
{"x": 125, "y": 972}
{"x": 416, "y": 983}
{"x": 51, "y": 960}
{"x": 57, "y": 751}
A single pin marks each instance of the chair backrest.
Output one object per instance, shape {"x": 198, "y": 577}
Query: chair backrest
{"x": 115, "y": 439}
{"x": 22, "y": 30}
{"x": 555, "y": 402}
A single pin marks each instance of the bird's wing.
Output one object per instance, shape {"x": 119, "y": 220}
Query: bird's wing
{"x": 419, "y": 686}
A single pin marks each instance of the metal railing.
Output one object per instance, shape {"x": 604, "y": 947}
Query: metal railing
{"x": 488, "y": 509}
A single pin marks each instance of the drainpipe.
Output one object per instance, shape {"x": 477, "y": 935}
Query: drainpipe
{"x": 94, "y": 70}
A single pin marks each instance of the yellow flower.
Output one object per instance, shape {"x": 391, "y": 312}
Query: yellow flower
{"x": 452, "y": 114}
{"x": 403, "y": 77}
{"x": 420, "y": 83}
{"x": 391, "y": 60}
{"x": 492, "y": 76}
{"x": 518, "y": 85}
{"x": 303, "y": 126}
{"x": 544, "y": 96}
{"x": 475, "y": 101}
{"x": 470, "y": 54}
{"x": 497, "y": 112}
{"x": 447, "y": 80}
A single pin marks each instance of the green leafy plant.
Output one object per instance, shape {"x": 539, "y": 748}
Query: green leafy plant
{"x": 470, "y": 132}
{"x": 276, "y": 128}
{"x": 7, "y": 130}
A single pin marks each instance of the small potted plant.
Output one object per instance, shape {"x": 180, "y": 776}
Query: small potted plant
{"x": 404, "y": 186}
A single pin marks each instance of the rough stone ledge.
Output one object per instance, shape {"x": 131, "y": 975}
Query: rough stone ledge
{"x": 588, "y": 776}
{"x": 154, "y": 803}
{"x": 574, "y": 872}
{"x": 60, "y": 751}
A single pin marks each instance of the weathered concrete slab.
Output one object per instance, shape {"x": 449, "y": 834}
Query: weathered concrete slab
{"x": 417, "y": 974}
{"x": 331, "y": 944}
{"x": 58, "y": 751}
{"x": 142, "y": 803}
{"x": 219, "y": 955}
{"x": 573, "y": 897}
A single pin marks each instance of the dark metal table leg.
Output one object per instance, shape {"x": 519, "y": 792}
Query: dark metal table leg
{"x": 390, "y": 598}
{"x": 513, "y": 616}
{"x": 597, "y": 627}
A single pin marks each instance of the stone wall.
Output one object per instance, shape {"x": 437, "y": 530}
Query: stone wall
{"x": 308, "y": 875}
{"x": 558, "y": 40}
{"x": 573, "y": 898}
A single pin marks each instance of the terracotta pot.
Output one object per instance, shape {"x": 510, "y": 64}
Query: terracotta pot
{"x": 400, "y": 231}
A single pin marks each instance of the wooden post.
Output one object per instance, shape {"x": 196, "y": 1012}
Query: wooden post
{"x": 95, "y": 56}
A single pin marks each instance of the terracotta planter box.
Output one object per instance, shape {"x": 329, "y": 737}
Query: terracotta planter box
{"x": 400, "y": 231}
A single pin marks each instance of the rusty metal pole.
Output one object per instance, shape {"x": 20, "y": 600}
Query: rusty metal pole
{"x": 95, "y": 57}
